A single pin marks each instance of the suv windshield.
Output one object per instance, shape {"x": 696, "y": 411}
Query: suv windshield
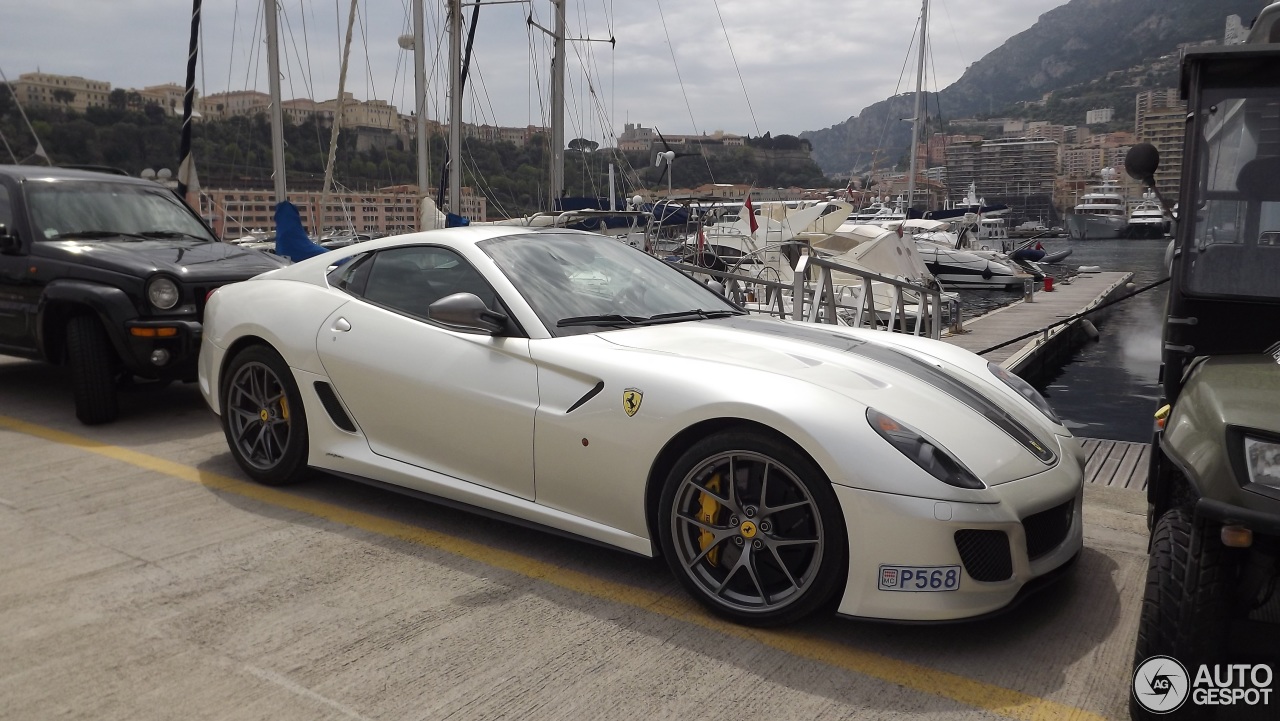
{"x": 582, "y": 283}
{"x": 1235, "y": 247}
{"x": 95, "y": 208}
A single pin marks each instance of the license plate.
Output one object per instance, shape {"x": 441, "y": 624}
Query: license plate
{"x": 919, "y": 578}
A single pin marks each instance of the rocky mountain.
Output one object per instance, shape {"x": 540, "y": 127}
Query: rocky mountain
{"x": 1069, "y": 45}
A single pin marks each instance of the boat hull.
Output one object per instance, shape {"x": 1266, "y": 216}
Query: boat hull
{"x": 1083, "y": 226}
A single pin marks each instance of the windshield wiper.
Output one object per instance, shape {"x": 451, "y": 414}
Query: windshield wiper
{"x": 606, "y": 320}
{"x": 696, "y": 314}
{"x": 171, "y": 234}
{"x": 101, "y": 234}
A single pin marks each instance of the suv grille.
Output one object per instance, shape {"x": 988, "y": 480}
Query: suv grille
{"x": 985, "y": 554}
{"x": 1047, "y": 529}
{"x": 200, "y": 293}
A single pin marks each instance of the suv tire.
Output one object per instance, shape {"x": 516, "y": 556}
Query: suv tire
{"x": 92, "y": 363}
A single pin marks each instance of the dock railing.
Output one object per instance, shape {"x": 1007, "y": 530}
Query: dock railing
{"x": 813, "y": 296}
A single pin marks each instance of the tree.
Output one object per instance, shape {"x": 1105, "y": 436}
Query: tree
{"x": 118, "y": 99}
{"x": 64, "y": 96}
{"x": 582, "y": 145}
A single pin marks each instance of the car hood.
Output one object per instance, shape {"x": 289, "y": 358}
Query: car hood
{"x": 187, "y": 259}
{"x": 917, "y": 390}
{"x": 1241, "y": 390}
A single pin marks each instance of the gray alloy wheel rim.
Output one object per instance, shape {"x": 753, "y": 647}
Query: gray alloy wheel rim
{"x": 776, "y": 560}
{"x": 258, "y": 411}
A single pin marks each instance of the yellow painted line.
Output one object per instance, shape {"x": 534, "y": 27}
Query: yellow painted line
{"x": 961, "y": 689}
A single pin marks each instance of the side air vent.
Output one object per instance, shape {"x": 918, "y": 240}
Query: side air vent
{"x": 333, "y": 407}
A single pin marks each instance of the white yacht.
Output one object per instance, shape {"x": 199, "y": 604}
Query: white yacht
{"x": 1101, "y": 212}
{"x": 1147, "y": 218}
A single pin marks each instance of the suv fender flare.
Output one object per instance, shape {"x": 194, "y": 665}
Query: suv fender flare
{"x": 111, "y": 305}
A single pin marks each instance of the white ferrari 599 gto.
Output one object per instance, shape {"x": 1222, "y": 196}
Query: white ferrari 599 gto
{"x": 571, "y": 381}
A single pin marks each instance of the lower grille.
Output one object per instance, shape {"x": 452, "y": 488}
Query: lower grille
{"x": 1047, "y": 530}
{"x": 985, "y": 554}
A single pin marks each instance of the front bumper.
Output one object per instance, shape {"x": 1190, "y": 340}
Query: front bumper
{"x": 181, "y": 346}
{"x": 891, "y": 530}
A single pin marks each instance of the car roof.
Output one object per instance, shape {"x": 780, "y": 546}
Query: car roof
{"x": 37, "y": 172}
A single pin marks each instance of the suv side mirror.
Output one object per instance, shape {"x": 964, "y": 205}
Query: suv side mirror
{"x": 9, "y": 243}
{"x": 466, "y": 311}
{"x": 1141, "y": 162}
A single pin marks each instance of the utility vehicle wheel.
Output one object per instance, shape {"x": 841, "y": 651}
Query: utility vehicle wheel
{"x": 92, "y": 362}
{"x": 263, "y": 417}
{"x": 752, "y": 528}
{"x": 1185, "y": 609}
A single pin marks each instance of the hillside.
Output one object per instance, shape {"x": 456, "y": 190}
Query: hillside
{"x": 1068, "y": 46}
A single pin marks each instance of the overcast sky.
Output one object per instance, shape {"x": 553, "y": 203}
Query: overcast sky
{"x": 805, "y": 64}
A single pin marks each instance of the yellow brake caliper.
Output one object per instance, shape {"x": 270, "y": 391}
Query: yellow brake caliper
{"x": 284, "y": 408}
{"x": 708, "y": 509}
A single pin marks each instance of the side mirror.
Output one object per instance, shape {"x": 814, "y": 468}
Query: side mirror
{"x": 9, "y": 243}
{"x": 1141, "y": 162}
{"x": 465, "y": 311}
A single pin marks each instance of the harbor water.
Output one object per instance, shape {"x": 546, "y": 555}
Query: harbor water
{"x": 1110, "y": 387}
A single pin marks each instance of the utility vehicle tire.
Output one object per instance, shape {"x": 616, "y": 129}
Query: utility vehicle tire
{"x": 752, "y": 528}
{"x": 263, "y": 418}
{"x": 1185, "y": 608}
{"x": 92, "y": 362}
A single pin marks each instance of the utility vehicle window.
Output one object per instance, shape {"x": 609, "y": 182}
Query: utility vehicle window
{"x": 1236, "y": 244}
{"x": 104, "y": 210}
{"x": 6, "y": 210}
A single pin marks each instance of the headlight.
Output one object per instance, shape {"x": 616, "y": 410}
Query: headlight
{"x": 1262, "y": 459}
{"x": 1026, "y": 390}
{"x": 925, "y": 452}
{"x": 163, "y": 293}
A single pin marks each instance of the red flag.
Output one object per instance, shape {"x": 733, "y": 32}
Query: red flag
{"x": 899, "y": 230}
{"x": 702, "y": 241}
{"x": 751, "y": 215}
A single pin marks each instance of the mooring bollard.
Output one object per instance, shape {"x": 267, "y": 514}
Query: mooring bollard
{"x": 1029, "y": 290}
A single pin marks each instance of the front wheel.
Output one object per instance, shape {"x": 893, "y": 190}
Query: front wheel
{"x": 752, "y": 528}
{"x": 263, "y": 418}
{"x": 92, "y": 362}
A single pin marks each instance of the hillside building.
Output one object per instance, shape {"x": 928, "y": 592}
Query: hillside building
{"x": 61, "y": 91}
{"x": 1099, "y": 116}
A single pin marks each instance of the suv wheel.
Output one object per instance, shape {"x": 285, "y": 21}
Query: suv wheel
{"x": 1186, "y": 606}
{"x": 92, "y": 364}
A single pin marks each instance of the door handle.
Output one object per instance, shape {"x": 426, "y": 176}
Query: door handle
{"x": 342, "y": 325}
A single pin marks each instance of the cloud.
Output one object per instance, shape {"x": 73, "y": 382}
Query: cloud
{"x": 805, "y": 64}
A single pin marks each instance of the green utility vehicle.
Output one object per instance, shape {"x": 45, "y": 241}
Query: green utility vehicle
{"x": 1214, "y": 486}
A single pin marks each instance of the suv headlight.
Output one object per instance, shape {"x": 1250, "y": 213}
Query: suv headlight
{"x": 1262, "y": 461}
{"x": 1026, "y": 390}
{"x": 162, "y": 293}
{"x": 924, "y": 451}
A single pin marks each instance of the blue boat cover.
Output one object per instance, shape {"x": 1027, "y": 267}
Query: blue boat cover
{"x": 453, "y": 220}
{"x": 291, "y": 238}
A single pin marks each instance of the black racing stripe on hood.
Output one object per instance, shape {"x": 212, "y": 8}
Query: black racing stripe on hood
{"x": 904, "y": 363}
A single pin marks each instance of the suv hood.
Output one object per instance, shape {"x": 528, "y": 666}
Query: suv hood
{"x": 187, "y": 259}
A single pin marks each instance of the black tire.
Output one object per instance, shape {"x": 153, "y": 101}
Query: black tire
{"x": 93, "y": 363}
{"x": 1185, "y": 607}
{"x": 263, "y": 418}
{"x": 760, "y": 560}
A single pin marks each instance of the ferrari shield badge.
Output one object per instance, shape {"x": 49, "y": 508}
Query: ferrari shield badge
{"x": 631, "y": 399}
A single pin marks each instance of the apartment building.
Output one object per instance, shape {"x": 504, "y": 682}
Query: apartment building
{"x": 1015, "y": 171}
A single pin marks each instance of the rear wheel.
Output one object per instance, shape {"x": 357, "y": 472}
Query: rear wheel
{"x": 92, "y": 362}
{"x": 263, "y": 418}
{"x": 752, "y": 528}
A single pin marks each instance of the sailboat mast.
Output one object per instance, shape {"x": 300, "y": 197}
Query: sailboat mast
{"x": 557, "y": 107}
{"x": 420, "y": 95}
{"x": 185, "y": 168}
{"x": 915, "y": 120}
{"x": 455, "y": 106}
{"x": 337, "y": 121}
{"x": 277, "y": 110}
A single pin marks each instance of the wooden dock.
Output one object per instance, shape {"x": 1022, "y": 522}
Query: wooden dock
{"x": 1046, "y": 351}
{"x": 1117, "y": 464}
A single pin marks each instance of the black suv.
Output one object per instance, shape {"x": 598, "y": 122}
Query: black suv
{"x": 108, "y": 274}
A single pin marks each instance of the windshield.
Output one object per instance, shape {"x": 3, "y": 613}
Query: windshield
{"x": 581, "y": 283}
{"x": 96, "y": 208}
{"x": 1235, "y": 247}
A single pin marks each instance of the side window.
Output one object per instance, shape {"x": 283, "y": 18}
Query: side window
{"x": 352, "y": 275}
{"x": 6, "y": 208}
{"x": 411, "y": 279}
